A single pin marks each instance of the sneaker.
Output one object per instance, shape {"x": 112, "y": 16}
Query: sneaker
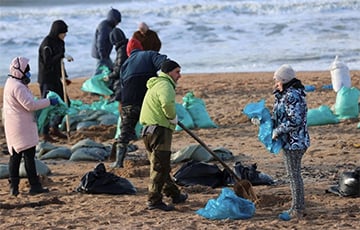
{"x": 285, "y": 216}
{"x": 181, "y": 198}
{"x": 161, "y": 206}
{"x": 288, "y": 215}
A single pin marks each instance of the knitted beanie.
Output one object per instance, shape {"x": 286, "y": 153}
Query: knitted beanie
{"x": 169, "y": 65}
{"x": 132, "y": 45}
{"x": 284, "y": 74}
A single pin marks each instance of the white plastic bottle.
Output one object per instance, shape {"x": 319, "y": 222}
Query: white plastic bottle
{"x": 340, "y": 75}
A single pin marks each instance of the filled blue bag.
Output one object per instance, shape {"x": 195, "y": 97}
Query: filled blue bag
{"x": 184, "y": 117}
{"x": 347, "y": 100}
{"x": 258, "y": 110}
{"x": 228, "y": 206}
{"x": 197, "y": 110}
{"x": 321, "y": 116}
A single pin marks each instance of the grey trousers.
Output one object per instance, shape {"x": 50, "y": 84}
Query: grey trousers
{"x": 292, "y": 160}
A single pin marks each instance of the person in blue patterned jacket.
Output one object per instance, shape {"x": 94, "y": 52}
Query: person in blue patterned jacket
{"x": 290, "y": 125}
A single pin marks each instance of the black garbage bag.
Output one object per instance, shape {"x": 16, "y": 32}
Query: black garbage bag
{"x": 99, "y": 181}
{"x": 249, "y": 173}
{"x": 199, "y": 173}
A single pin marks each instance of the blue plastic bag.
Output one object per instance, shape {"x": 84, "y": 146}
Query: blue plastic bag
{"x": 321, "y": 116}
{"x": 346, "y": 106}
{"x": 96, "y": 83}
{"x": 184, "y": 117}
{"x": 197, "y": 110}
{"x": 227, "y": 206}
{"x": 259, "y": 111}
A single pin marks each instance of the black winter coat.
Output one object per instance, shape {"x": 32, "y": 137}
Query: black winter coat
{"x": 114, "y": 76}
{"x": 51, "y": 51}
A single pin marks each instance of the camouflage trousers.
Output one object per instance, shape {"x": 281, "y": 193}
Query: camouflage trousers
{"x": 158, "y": 146}
{"x": 129, "y": 117}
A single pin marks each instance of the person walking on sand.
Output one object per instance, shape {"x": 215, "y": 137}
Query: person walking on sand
{"x": 20, "y": 125}
{"x": 158, "y": 116}
{"x": 51, "y": 53}
{"x": 136, "y": 70}
{"x": 290, "y": 125}
{"x": 149, "y": 39}
{"x": 101, "y": 46}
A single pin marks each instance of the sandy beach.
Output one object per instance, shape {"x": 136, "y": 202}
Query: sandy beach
{"x": 334, "y": 149}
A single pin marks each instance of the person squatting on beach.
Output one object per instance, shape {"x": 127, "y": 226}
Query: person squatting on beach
{"x": 136, "y": 70}
{"x": 158, "y": 116}
{"x": 147, "y": 37}
{"x": 101, "y": 46}
{"x": 119, "y": 40}
{"x": 290, "y": 125}
{"x": 20, "y": 125}
{"x": 51, "y": 53}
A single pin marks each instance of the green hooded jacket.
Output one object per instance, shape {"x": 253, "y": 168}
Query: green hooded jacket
{"x": 159, "y": 102}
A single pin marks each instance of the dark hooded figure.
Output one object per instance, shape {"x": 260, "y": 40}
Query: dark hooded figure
{"x": 102, "y": 47}
{"x": 119, "y": 40}
{"x": 51, "y": 52}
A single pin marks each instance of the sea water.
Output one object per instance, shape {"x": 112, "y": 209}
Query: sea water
{"x": 203, "y": 36}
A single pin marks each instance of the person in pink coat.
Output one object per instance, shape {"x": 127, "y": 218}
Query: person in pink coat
{"x": 20, "y": 125}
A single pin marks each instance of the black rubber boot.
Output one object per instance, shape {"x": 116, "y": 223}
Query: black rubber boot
{"x": 30, "y": 167}
{"x": 121, "y": 150}
{"x": 14, "y": 179}
{"x": 14, "y": 186}
{"x": 37, "y": 189}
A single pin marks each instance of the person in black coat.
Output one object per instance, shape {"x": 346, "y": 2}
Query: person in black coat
{"x": 51, "y": 53}
{"x": 119, "y": 40}
{"x": 101, "y": 46}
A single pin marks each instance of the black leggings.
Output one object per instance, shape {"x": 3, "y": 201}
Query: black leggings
{"x": 30, "y": 167}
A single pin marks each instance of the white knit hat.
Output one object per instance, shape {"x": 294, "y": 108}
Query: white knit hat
{"x": 284, "y": 74}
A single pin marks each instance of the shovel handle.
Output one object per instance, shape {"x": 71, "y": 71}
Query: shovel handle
{"x": 65, "y": 98}
{"x": 209, "y": 150}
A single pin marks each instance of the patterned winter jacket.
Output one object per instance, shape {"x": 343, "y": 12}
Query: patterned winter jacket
{"x": 290, "y": 116}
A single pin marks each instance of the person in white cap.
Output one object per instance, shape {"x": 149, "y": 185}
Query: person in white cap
{"x": 290, "y": 125}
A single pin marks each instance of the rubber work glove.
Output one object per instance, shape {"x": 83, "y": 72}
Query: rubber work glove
{"x": 54, "y": 101}
{"x": 174, "y": 121}
{"x": 255, "y": 121}
{"x": 68, "y": 57}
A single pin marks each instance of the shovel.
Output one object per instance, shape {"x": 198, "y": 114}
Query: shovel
{"x": 242, "y": 187}
{"x": 65, "y": 99}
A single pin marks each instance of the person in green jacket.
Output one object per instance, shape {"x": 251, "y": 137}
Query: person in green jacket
{"x": 159, "y": 119}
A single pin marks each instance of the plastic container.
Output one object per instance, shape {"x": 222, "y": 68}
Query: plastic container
{"x": 340, "y": 75}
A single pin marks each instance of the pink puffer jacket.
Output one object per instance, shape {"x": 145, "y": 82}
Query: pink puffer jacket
{"x": 18, "y": 110}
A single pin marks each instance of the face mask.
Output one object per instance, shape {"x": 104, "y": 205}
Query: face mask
{"x": 27, "y": 78}
{"x": 28, "y": 74}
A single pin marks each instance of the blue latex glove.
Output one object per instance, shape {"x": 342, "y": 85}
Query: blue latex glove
{"x": 54, "y": 101}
